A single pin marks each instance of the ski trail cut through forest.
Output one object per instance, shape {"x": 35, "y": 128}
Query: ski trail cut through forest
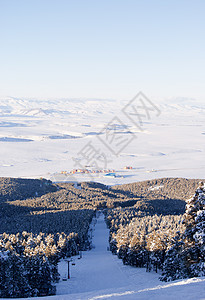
{"x": 99, "y": 269}
{"x": 101, "y": 275}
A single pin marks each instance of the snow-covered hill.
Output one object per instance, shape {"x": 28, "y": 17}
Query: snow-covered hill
{"x": 100, "y": 275}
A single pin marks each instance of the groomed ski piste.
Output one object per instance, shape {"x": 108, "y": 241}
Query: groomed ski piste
{"x": 101, "y": 275}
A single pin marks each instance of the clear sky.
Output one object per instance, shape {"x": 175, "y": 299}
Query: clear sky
{"x": 102, "y": 49}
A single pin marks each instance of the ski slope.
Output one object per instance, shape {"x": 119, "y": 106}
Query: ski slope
{"x": 101, "y": 275}
{"x": 98, "y": 269}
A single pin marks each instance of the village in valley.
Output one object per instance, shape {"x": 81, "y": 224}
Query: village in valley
{"x": 91, "y": 172}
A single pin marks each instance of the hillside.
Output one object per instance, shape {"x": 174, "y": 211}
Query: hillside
{"x": 42, "y": 222}
{"x": 161, "y": 189}
{"x": 101, "y": 275}
{"x": 32, "y": 205}
{"x": 17, "y": 188}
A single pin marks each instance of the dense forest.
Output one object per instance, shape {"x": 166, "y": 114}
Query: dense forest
{"x": 167, "y": 238}
{"x": 142, "y": 240}
{"x": 42, "y": 222}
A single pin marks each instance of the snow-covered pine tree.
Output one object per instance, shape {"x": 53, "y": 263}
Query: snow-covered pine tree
{"x": 3, "y": 266}
{"x": 173, "y": 267}
{"x": 188, "y": 257}
{"x": 39, "y": 275}
{"x": 14, "y": 282}
{"x": 194, "y": 241}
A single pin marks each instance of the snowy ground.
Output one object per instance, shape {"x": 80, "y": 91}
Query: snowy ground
{"x": 101, "y": 275}
{"x": 43, "y": 138}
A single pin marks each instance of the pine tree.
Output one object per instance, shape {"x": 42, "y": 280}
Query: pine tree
{"x": 173, "y": 267}
{"x": 194, "y": 235}
{"x": 14, "y": 282}
{"x": 187, "y": 258}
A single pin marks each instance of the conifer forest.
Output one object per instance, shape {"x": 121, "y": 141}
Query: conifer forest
{"x": 155, "y": 224}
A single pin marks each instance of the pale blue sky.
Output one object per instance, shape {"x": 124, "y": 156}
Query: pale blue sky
{"x": 102, "y": 49}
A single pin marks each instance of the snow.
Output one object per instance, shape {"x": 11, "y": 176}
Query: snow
{"x": 97, "y": 270}
{"x": 157, "y": 187}
{"x": 47, "y": 136}
{"x": 42, "y": 138}
{"x": 101, "y": 275}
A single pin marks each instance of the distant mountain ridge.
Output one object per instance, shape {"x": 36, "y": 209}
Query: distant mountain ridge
{"x": 32, "y": 106}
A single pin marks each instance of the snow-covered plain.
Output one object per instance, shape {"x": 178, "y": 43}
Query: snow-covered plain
{"x": 42, "y": 138}
{"x": 101, "y": 275}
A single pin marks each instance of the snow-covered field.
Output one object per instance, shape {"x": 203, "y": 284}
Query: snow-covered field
{"x": 101, "y": 275}
{"x": 44, "y": 138}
